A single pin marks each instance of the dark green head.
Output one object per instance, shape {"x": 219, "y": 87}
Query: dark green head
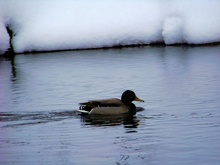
{"x": 128, "y": 96}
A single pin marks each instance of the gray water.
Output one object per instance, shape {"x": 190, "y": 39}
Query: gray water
{"x": 179, "y": 123}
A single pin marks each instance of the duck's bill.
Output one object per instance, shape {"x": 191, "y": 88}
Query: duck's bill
{"x": 137, "y": 99}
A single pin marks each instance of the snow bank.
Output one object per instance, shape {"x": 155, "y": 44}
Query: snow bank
{"x": 59, "y": 25}
{"x": 4, "y": 38}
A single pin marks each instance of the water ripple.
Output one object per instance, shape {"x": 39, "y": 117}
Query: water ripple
{"x": 30, "y": 118}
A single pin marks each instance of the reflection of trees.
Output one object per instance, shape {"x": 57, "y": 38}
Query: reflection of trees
{"x": 13, "y": 68}
{"x": 10, "y": 56}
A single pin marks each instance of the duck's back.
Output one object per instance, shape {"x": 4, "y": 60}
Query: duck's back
{"x": 113, "y": 102}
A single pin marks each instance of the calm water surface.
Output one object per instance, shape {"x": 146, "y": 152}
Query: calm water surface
{"x": 180, "y": 123}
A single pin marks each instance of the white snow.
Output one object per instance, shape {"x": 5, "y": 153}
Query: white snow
{"x": 44, "y": 25}
{"x": 4, "y": 38}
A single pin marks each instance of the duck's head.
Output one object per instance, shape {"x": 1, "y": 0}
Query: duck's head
{"x": 128, "y": 96}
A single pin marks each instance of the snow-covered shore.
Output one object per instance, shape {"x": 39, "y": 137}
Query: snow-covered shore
{"x": 61, "y": 25}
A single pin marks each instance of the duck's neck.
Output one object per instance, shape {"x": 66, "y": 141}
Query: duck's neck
{"x": 131, "y": 107}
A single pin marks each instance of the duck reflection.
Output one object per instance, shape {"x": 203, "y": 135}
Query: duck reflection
{"x": 128, "y": 120}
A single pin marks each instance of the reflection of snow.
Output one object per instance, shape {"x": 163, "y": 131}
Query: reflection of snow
{"x": 60, "y": 25}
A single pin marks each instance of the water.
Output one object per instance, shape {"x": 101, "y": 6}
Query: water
{"x": 179, "y": 122}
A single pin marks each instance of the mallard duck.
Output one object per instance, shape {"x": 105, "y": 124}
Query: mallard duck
{"x": 112, "y": 106}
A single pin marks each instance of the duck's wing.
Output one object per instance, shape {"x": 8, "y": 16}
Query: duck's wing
{"x": 114, "y": 102}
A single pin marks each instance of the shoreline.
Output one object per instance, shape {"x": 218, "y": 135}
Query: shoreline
{"x": 11, "y": 52}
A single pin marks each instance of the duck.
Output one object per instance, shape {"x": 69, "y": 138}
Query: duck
{"x": 112, "y": 106}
